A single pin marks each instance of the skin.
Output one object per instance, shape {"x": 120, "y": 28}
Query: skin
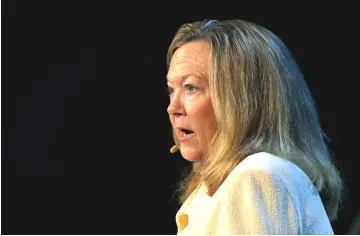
{"x": 190, "y": 99}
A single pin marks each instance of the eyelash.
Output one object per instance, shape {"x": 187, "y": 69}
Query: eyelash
{"x": 170, "y": 90}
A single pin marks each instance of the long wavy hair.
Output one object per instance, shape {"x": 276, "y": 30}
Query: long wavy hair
{"x": 261, "y": 104}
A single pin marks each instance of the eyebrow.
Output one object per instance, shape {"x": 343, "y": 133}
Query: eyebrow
{"x": 183, "y": 78}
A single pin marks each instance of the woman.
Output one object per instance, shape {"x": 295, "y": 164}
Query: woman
{"x": 242, "y": 113}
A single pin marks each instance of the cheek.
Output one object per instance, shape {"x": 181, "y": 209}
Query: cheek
{"x": 210, "y": 124}
{"x": 203, "y": 117}
{"x": 171, "y": 118}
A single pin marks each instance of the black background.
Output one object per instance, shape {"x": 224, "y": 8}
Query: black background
{"x": 85, "y": 133}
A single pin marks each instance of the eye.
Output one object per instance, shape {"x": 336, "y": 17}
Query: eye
{"x": 190, "y": 88}
{"x": 170, "y": 90}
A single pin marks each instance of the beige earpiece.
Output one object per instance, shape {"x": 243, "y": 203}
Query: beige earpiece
{"x": 174, "y": 149}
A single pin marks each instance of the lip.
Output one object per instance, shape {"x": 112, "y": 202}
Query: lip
{"x": 184, "y": 137}
{"x": 182, "y": 127}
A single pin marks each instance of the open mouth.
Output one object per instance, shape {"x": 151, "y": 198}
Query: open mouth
{"x": 187, "y": 131}
{"x": 185, "y": 134}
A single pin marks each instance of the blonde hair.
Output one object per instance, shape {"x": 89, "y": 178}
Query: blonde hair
{"x": 261, "y": 103}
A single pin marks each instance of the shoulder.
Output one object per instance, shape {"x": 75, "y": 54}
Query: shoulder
{"x": 271, "y": 195}
{"x": 266, "y": 170}
{"x": 256, "y": 192}
{"x": 266, "y": 162}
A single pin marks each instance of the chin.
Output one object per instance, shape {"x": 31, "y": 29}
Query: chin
{"x": 190, "y": 155}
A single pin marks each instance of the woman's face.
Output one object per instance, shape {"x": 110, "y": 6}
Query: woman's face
{"x": 190, "y": 110}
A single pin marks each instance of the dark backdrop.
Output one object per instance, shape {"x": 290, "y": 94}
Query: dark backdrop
{"x": 85, "y": 133}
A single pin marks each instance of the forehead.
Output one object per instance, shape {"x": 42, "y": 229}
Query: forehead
{"x": 192, "y": 57}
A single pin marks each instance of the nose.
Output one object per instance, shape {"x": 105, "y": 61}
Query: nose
{"x": 176, "y": 107}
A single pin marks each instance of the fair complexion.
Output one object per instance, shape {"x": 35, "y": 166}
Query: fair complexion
{"x": 190, "y": 105}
